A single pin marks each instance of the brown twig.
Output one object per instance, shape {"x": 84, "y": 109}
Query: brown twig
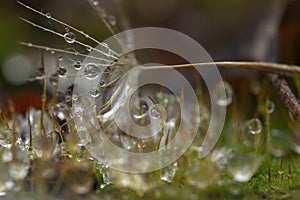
{"x": 286, "y": 95}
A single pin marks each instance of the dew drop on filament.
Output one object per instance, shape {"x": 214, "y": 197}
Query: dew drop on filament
{"x": 62, "y": 72}
{"x": 226, "y": 99}
{"x": 270, "y": 106}
{"x": 70, "y": 37}
{"x": 94, "y": 92}
{"x": 112, "y": 20}
{"x": 254, "y": 126}
{"x": 95, "y": 2}
{"x": 53, "y": 79}
{"x": 39, "y": 74}
{"x": 77, "y": 65}
{"x": 48, "y": 15}
{"x": 102, "y": 83}
{"x": 60, "y": 58}
{"x": 88, "y": 48}
{"x": 91, "y": 71}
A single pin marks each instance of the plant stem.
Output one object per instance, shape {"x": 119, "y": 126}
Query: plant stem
{"x": 282, "y": 69}
{"x": 286, "y": 95}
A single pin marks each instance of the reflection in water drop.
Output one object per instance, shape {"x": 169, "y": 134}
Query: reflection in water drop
{"x": 91, "y": 71}
{"x": 202, "y": 174}
{"x": 62, "y": 72}
{"x": 254, "y": 126}
{"x": 39, "y": 73}
{"x": 5, "y": 138}
{"x": 270, "y": 106}
{"x": 251, "y": 135}
{"x": 243, "y": 166}
{"x": 53, "y": 79}
{"x": 221, "y": 156}
{"x": 18, "y": 170}
{"x": 70, "y": 37}
{"x": 88, "y": 48}
{"x": 167, "y": 174}
{"x": 277, "y": 143}
{"x": 77, "y": 65}
{"x": 95, "y": 92}
{"x": 221, "y": 98}
{"x": 6, "y": 156}
{"x": 95, "y": 2}
{"x": 139, "y": 109}
{"x": 60, "y": 58}
{"x": 48, "y": 15}
{"x": 141, "y": 144}
{"x": 155, "y": 112}
{"x": 112, "y": 20}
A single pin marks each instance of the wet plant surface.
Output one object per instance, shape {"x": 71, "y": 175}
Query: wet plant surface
{"x": 61, "y": 149}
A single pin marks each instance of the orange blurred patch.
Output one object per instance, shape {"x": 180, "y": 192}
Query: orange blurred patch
{"x": 22, "y": 100}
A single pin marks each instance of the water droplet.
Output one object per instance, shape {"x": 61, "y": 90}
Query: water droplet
{"x": 278, "y": 143}
{"x": 107, "y": 69}
{"x": 220, "y": 156}
{"x": 167, "y": 174}
{"x": 139, "y": 109}
{"x": 88, "y": 48}
{"x": 125, "y": 140}
{"x": 84, "y": 136}
{"x": 5, "y": 138}
{"x": 141, "y": 144}
{"x": 9, "y": 185}
{"x": 112, "y": 20}
{"x": 74, "y": 97}
{"x": 251, "y": 134}
{"x": 106, "y": 50}
{"x": 81, "y": 189}
{"x": 60, "y": 58}
{"x": 53, "y": 79}
{"x": 221, "y": 98}
{"x": 91, "y": 71}
{"x": 102, "y": 83}
{"x": 202, "y": 174}
{"x": 155, "y": 112}
{"x": 254, "y": 126}
{"x": 2, "y": 193}
{"x": 52, "y": 51}
{"x": 95, "y": 2}
{"x": 48, "y": 15}
{"x": 270, "y": 106}
{"x": 7, "y": 156}
{"x": 67, "y": 29}
{"x": 70, "y": 37}
{"x": 103, "y": 12}
{"x": 242, "y": 166}
{"x": 77, "y": 65}
{"x": 18, "y": 170}
{"x": 39, "y": 74}
{"x": 43, "y": 146}
{"x": 68, "y": 98}
{"x": 95, "y": 92}
{"x": 62, "y": 72}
